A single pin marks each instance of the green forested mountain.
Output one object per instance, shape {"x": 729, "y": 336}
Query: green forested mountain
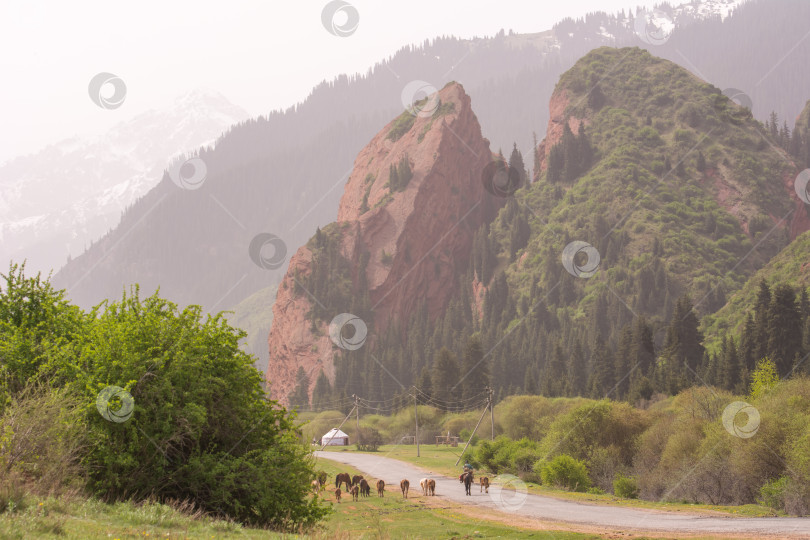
{"x": 679, "y": 191}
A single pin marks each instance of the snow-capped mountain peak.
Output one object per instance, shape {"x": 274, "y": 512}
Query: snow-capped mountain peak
{"x": 55, "y": 202}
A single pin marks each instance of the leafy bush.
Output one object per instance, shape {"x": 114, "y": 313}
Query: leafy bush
{"x": 43, "y": 437}
{"x": 402, "y": 125}
{"x": 564, "y": 472}
{"x": 200, "y": 428}
{"x": 625, "y": 487}
{"x": 369, "y": 439}
{"x": 772, "y": 493}
{"x": 464, "y": 434}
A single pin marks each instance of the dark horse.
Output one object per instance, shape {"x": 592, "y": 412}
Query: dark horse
{"x": 343, "y": 478}
{"x": 467, "y": 479}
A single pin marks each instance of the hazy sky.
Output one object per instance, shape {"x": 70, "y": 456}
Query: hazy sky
{"x": 260, "y": 54}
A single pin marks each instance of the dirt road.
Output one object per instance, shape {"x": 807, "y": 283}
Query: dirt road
{"x": 549, "y": 508}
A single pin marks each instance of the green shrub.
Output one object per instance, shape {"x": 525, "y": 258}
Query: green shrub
{"x": 464, "y": 434}
{"x": 625, "y": 487}
{"x": 564, "y": 472}
{"x": 369, "y": 439}
{"x": 402, "y": 125}
{"x": 772, "y": 493}
{"x": 200, "y": 427}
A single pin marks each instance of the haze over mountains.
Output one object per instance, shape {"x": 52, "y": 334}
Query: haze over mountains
{"x": 284, "y": 173}
{"x": 55, "y": 203}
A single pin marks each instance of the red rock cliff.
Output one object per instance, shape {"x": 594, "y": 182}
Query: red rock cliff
{"x": 418, "y": 239}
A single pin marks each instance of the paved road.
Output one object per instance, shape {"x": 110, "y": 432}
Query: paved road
{"x": 549, "y": 508}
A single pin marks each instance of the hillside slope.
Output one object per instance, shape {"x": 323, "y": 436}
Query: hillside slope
{"x": 404, "y": 233}
{"x": 191, "y": 245}
{"x": 669, "y": 187}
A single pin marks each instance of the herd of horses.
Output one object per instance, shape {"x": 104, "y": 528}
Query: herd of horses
{"x": 358, "y": 486}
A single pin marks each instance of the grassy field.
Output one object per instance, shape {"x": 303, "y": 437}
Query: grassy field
{"x": 369, "y": 518}
{"x": 86, "y": 519}
{"x": 417, "y": 517}
{"x": 441, "y": 459}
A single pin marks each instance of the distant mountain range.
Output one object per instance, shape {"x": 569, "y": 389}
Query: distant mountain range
{"x": 650, "y": 183}
{"x": 55, "y": 203}
{"x": 283, "y": 173}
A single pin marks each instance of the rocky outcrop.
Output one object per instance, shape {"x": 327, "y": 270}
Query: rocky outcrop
{"x": 556, "y": 124}
{"x": 417, "y": 236}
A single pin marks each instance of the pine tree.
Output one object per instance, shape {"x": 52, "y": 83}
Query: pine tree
{"x": 623, "y": 363}
{"x": 585, "y": 149}
{"x": 425, "y": 384}
{"x": 322, "y": 392}
{"x": 299, "y": 399}
{"x": 729, "y": 372}
{"x": 404, "y": 173}
{"x": 571, "y": 156}
{"x": 701, "y": 162}
{"x": 643, "y": 353}
{"x": 516, "y": 163}
{"x": 601, "y": 369}
{"x": 393, "y": 178}
{"x": 556, "y": 163}
{"x": 553, "y": 384}
{"x": 784, "y": 328}
{"x": 683, "y": 350}
{"x": 577, "y": 374}
{"x": 475, "y": 368}
{"x": 772, "y": 125}
{"x": 530, "y": 382}
{"x": 761, "y": 321}
{"x": 446, "y": 376}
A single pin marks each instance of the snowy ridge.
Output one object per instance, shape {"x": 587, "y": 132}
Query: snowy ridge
{"x": 55, "y": 202}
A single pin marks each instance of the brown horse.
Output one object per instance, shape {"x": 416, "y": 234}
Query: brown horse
{"x": 432, "y": 486}
{"x": 467, "y": 480}
{"x": 484, "y": 483}
{"x": 356, "y": 479}
{"x": 355, "y": 490}
{"x": 337, "y": 494}
{"x": 365, "y": 489}
{"x": 380, "y": 488}
{"x": 343, "y": 478}
{"x": 404, "y": 485}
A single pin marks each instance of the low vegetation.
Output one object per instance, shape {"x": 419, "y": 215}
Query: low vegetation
{"x": 138, "y": 400}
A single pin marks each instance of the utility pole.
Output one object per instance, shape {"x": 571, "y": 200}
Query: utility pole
{"x": 357, "y": 415}
{"x": 471, "y": 436}
{"x": 416, "y": 419}
{"x": 491, "y": 411}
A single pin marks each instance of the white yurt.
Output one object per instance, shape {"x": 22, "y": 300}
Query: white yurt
{"x": 335, "y": 437}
